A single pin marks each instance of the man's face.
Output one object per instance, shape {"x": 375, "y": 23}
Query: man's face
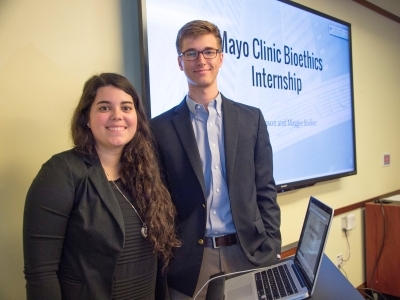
{"x": 201, "y": 73}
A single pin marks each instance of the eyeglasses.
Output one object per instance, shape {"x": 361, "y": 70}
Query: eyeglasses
{"x": 193, "y": 54}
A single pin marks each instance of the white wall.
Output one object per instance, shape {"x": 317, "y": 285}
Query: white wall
{"x": 49, "y": 48}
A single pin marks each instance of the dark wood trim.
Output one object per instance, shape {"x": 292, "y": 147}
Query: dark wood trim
{"x": 345, "y": 209}
{"x": 378, "y": 10}
{"x": 289, "y": 252}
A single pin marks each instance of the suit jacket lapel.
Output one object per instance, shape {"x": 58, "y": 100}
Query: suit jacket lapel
{"x": 184, "y": 129}
{"x": 231, "y": 129}
{"x": 98, "y": 178}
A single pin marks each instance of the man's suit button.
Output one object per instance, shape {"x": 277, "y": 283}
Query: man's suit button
{"x": 204, "y": 205}
{"x": 200, "y": 242}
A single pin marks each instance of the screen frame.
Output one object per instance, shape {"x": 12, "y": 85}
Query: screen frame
{"x": 290, "y": 186}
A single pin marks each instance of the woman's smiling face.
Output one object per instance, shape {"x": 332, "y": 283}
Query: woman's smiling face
{"x": 112, "y": 119}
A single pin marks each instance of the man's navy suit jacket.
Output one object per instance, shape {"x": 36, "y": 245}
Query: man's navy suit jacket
{"x": 249, "y": 177}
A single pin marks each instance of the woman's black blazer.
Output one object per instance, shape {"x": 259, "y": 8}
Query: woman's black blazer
{"x": 73, "y": 230}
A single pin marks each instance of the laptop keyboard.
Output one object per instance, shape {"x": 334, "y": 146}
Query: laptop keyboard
{"x": 274, "y": 283}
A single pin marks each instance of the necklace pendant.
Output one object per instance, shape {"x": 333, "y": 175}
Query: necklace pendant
{"x": 143, "y": 231}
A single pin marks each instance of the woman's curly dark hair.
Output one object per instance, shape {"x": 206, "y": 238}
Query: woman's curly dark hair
{"x": 139, "y": 170}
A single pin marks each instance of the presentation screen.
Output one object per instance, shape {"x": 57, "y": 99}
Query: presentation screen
{"x": 290, "y": 61}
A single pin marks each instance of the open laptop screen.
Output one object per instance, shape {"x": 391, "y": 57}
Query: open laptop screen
{"x": 312, "y": 240}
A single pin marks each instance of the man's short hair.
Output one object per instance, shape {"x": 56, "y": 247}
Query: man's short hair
{"x": 195, "y": 29}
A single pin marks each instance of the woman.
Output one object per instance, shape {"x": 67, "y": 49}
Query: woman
{"x": 97, "y": 216}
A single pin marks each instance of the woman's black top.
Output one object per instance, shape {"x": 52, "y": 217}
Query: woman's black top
{"x": 135, "y": 275}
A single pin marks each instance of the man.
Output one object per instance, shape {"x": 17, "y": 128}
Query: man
{"x": 217, "y": 161}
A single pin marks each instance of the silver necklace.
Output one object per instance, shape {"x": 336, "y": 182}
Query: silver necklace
{"x": 143, "y": 231}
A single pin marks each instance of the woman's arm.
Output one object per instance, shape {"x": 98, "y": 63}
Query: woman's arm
{"x": 48, "y": 204}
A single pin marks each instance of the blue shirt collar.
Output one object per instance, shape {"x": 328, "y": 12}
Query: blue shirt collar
{"x": 192, "y": 104}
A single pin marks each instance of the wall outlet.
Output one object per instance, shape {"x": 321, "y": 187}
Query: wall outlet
{"x": 339, "y": 259}
{"x": 349, "y": 222}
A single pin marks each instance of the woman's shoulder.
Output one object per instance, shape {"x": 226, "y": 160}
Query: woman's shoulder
{"x": 71, "y": 160}
{"x": 67, "y": 168}
{"x": 70, "y": 156}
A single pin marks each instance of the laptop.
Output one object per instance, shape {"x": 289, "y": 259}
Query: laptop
{"x": 293, "y": 278}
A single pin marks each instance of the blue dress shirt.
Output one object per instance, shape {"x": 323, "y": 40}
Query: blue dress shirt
{"x": 209, "y": 133}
